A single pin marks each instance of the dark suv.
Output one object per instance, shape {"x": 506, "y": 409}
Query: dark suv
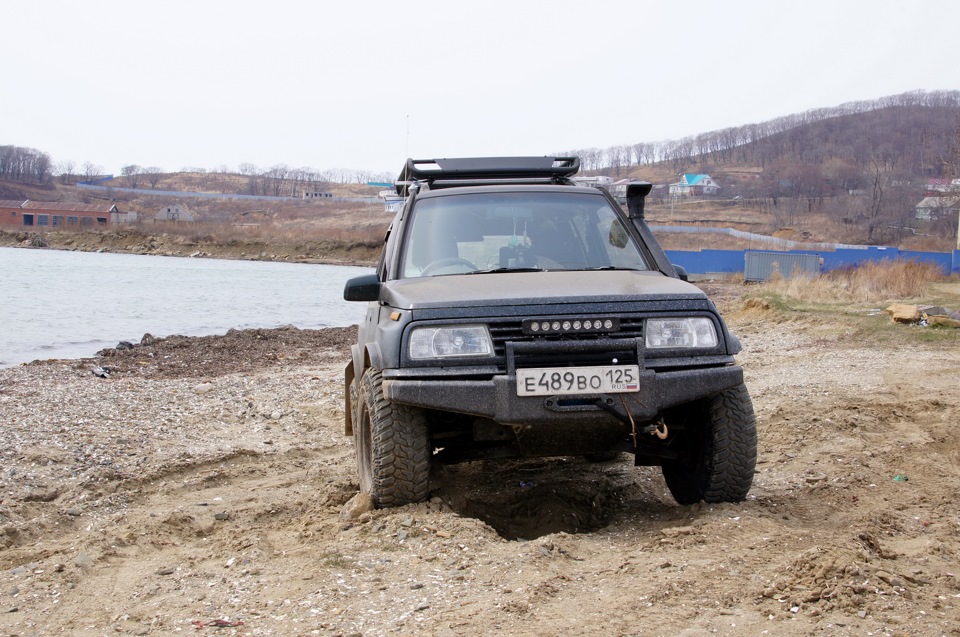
{"x": 516, "y": 314}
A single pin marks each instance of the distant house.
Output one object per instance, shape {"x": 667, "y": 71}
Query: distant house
{"x": 937, "y": 186}
{"x": 695, "y": 186}
{"x": 173, "y": 213}
{"x": 392, "y": 202}
{"x": 45, "y": 215}
{"x": 933, "y": 208}
{"x": 598, "y": 180}
{"x": 619, "y": 190}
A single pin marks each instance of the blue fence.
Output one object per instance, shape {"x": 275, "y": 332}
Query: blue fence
{"x": 730, "y": 261}
{"x": 94, "y": 182}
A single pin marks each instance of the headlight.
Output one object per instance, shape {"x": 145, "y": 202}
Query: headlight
{"x": 451, "y": 341}
{"x": 680, "y": 332}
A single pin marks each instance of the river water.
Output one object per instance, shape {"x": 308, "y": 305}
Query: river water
{"x": 59, "y": 304}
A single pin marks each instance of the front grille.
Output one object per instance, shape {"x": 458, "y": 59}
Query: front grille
{"x": 512, "y": 331}
{"x": 572, "y": 349}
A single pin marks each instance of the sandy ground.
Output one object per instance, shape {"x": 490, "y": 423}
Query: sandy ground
{"x": 199, "y": 489}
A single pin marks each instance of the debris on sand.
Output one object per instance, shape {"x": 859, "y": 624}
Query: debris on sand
{"x": 925, "y": 315}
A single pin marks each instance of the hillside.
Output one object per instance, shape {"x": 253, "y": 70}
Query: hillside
{"x": 853, "y": 174}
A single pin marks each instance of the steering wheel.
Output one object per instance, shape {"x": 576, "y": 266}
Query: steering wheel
{"x": 460, "y": 266}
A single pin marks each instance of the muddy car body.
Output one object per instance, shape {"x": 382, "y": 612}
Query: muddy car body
{"x": 515, "y": 313}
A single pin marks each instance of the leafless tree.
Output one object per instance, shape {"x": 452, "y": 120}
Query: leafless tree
{"x": 875, "y": 204}
{"x": 64, "y": 171}
{"x": 277, "y": 175}
{"x": 153, "y": 175}
{"x": 24, "y": 165}
{"x": 132, "y": 173}
{"x": 91, "y": 171}
{"x": 618, "y": 157}
{"x": 950, "y": 161}
{"x": 953, "y": 169}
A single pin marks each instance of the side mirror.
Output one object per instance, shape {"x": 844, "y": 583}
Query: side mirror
{"x": 681, "y": 272}
{"x": 362, "y": 288}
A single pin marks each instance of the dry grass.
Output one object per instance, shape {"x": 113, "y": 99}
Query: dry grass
{"x": 873, "y": 282}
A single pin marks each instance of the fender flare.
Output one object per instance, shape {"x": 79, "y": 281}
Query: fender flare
{"x": 360, "y": 359}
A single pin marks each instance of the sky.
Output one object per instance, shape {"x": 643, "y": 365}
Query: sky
{"x": 364, "y": 84}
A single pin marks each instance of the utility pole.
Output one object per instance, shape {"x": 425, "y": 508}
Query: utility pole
{"x": 955, "y": 173}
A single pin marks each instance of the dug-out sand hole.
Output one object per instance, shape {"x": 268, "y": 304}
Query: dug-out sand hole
{"x": 529, "y": 499}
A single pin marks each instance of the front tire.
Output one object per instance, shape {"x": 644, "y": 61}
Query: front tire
{"x": 718, "y": 457}
{"x": 392, "y": 447}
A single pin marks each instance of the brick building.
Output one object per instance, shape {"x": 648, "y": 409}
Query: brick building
{"x": 45, "y": 215}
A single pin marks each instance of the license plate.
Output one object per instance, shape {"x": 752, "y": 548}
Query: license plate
{"x": 552, "y": 381}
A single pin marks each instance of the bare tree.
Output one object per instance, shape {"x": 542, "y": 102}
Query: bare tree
{"x": 277, "y": 176}
{"x": 41, "y": 168}
{"x": 951, "y": 162}
{"x": 875, "y": 204}
{"x": 24, "y": 165}
{"x": 64, "y": 171}
{"x": 132, "y": 172}
{"x": 90, "y": 171}
{"x": 953, "y": 165}
{"x": 617, "y": 158}
{"x": 153, "y": 175}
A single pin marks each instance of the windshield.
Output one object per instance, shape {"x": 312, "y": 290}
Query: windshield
{"x": 491, "y": 232}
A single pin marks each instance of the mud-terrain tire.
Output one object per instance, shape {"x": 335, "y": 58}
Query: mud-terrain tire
{"x": 393, "y": 452}
{"x": 718, "y": 457}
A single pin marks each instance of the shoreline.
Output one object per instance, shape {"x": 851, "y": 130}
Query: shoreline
{"x": 127, "y": 241}
{"x": 104, "y": 317}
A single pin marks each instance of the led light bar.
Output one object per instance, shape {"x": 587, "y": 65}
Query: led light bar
{"x": 568, "y": 325}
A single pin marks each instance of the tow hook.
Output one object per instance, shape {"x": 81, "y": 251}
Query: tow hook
{"x": 660, "y": 430}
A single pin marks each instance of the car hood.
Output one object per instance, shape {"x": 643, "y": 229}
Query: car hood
{"x": 526, "y": 288}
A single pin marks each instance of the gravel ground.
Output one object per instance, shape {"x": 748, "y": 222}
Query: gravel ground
{"x": 200, "y": 486}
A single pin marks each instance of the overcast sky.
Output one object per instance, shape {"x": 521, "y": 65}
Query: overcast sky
{"x": 364, "y": 84}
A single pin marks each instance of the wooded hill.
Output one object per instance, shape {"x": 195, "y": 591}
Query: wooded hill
{"x": 862, "y": 167}
{"x": 910, "y": 133}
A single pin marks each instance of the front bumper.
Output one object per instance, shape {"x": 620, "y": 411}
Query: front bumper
{"x": 497, "y": 399}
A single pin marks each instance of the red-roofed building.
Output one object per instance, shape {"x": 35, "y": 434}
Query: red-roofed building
{"x": 45, "y": 215}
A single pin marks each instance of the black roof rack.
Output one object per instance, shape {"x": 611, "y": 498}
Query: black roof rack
{"x": 467, "y": 169}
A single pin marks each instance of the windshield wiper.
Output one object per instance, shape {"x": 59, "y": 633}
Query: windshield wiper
{"x": 611, "y": 267}
{"x": 497, "y": 270}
